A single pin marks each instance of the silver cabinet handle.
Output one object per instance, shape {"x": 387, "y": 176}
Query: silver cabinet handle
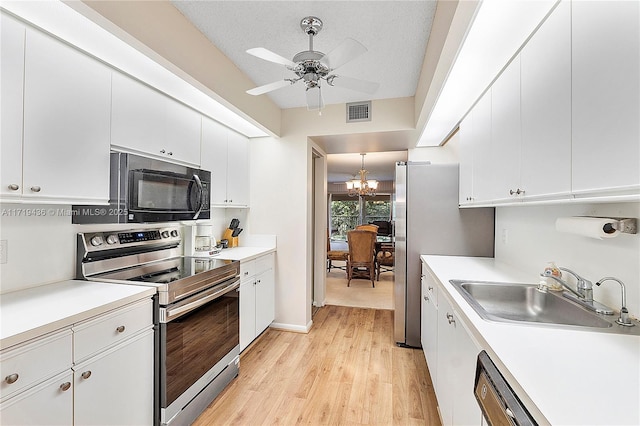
{"x": 516, "y": 192}
{"x": 65, "y": 386}
{"x": 170, "y": 153}
{"x": 14, "y": 187}
{"x": 36, "y": 188}
{"x": 450, "y": 318}
{"x": 12, "y": 378}
{"x": 430, "y": 288}
{"x": 162, "y": 151}
{"x": 426, "y": 298}
{"x": 120, "y": 329}
{"x": 86, "y": 374}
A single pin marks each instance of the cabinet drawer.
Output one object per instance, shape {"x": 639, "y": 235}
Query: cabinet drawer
{"x": 49, "y": 403}
{"x": 264, "y": 263}
{"x": 30, "y": 363}
{"x": 93, "y": 335}
{"x": 247, "y": 269}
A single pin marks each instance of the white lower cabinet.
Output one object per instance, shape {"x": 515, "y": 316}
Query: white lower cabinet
{"x": 451, "y": 356}
{"x": 116, "y": 386}
{"x": 257, "y": 297}
{"x": 45, "y": 381}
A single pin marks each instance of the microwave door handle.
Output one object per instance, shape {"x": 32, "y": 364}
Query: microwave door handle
{"x": 201, "y": 189}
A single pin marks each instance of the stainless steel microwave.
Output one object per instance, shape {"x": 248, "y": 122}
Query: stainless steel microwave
{"x": 145, "y": 190}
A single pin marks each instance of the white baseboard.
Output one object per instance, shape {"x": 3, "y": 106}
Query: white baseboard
{"x": 292, "y": 327}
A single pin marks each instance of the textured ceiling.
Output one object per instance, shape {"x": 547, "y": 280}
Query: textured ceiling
{"x": 394, "y": 32}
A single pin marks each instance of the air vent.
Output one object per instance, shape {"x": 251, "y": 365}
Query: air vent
{"x": 358, "y": 111}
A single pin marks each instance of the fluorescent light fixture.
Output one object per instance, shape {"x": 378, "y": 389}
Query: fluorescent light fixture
{"x": 498, "y": 31}
{"x": 71, "y": 26}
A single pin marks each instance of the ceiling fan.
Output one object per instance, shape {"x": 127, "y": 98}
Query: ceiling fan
{"x": 312, "y": 67}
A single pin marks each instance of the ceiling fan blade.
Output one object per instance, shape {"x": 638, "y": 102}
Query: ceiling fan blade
{"x": 314, "y": 98}
{"x": 354, "y": 84}
{"x": 268, "y": 55}
{"x": 343, "y": 53}
{"x": 269, "y": 87}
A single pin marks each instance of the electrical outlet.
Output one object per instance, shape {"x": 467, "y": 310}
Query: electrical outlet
{"x": 4, "y": 249}
{"x": 505, "y": 236}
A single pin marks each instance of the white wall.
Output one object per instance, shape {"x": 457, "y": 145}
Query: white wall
{"x": 532, "y": 241}
{"x": 446, "y": 154}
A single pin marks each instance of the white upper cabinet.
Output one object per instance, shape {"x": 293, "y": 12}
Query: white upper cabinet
{"x": 149, "y": 122}
{"x": 67, "y": 101}
{"x": 504, "y": 158}
{"x": 545, "y": 86}
{"x": 225, "y": 154}
{"x": 606, "y": 96}
{"x": 238, "y": 169}
{"x": 465, "y": 190}
{"x": 11, "y": 106}
{"x": 481, "y": 141}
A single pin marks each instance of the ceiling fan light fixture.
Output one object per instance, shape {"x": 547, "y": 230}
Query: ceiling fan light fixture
{"x": 312, "y": 66}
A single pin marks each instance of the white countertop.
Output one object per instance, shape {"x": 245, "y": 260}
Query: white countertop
{"x": 32, "y": 312}
{"x": 563, "y": 376}
{"x": 244, "y": 254}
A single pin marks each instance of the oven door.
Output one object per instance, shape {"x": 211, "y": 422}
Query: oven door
{"x": 198, "y": 338}
{"x": 158, "y": 195}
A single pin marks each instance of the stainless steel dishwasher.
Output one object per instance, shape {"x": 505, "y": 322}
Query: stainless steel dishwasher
{"x": 499, "y": 404}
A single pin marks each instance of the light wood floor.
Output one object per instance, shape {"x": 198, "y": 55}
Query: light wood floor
{"x": 346, "y": 370}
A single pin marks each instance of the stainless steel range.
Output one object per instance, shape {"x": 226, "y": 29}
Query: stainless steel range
{"x": 197, "y": 334}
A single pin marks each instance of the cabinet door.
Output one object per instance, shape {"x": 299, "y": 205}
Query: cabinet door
{"x": 482, "y": 162}
{"x": 465, "y": 190}
{"x": 465, "y": 407}
{"x": 546, "y": 107}
{"x": 67, "y": 102}
{"x": 504, "y": 160}
{"x": 116, "y": 387}
{"x": 247, "y": 312}
{"x": 265, "y": 300}
{"x": 606, "y": 95}
{"x": 147, "y": 121}
{"x": 49, "y": 403}
{"x": 214, "y": 158}
{"x": 429, "y": 325}
{"x": 183, "y": 129}
{"x": 11, "y": 106}
{"x": 445, "y": 366}
{"x": 238, "y": 170}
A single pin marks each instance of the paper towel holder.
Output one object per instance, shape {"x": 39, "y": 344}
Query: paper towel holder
{"x": 625, "y": 225}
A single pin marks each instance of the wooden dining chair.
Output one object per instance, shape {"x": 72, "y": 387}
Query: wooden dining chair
{"x": 385, "y": 259}
{"x": 332, "y": 255}
{"x": 361, "y": 260}
{"x": 367, "y": 227}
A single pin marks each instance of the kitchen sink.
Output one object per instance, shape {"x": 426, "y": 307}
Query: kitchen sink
{"x": 524, "y": 303}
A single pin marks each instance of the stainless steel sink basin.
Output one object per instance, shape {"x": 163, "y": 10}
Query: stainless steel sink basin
{"x": 524, "y": 303}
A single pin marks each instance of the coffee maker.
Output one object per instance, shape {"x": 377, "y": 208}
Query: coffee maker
{"x": 199, "y": 241}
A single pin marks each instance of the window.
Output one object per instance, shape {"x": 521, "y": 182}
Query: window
{"x": 348, "y": 212}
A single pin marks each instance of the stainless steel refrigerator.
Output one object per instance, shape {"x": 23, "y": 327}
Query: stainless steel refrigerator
{"x": 427, "y": 220}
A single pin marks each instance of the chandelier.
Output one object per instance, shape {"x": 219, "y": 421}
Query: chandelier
{"x": 362, "y": 186}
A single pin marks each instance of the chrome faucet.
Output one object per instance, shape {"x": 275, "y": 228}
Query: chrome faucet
{"x": 584, "y": 287}
{"x": 623, "y": 319}
{"x": 583, "y": 294}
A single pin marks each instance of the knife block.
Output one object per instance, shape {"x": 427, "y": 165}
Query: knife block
{"x": 233, "y": 241}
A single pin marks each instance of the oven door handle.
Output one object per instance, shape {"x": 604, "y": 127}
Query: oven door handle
{"x": 170, "y": 314}
{"x": 201, "y": 189}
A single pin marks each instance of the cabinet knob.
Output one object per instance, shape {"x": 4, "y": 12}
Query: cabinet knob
{"x": 516, "y": 192}
{"x": 169, "y": 153}
{"x": 86, "y": 374}
{"x": 14, "y": 187}
{"x": 425, "y": 298}
{"x": 450, "y": 318}
{"x": 430, "y": 288}
{"x": 162, "y": 151}
{"x": 65, "y": 386}
{"x": 231, "y": 201}
{"x": 36, "y": 188}
{"x": 120, "y": 329}
{"x": 12, "y": 378}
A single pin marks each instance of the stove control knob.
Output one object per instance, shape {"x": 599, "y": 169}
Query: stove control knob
{"x": 165, "y": 234}
{"x": 96, "y": 240}
{"x": 174, "y": 233}
{"x": 112, "y": 239}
